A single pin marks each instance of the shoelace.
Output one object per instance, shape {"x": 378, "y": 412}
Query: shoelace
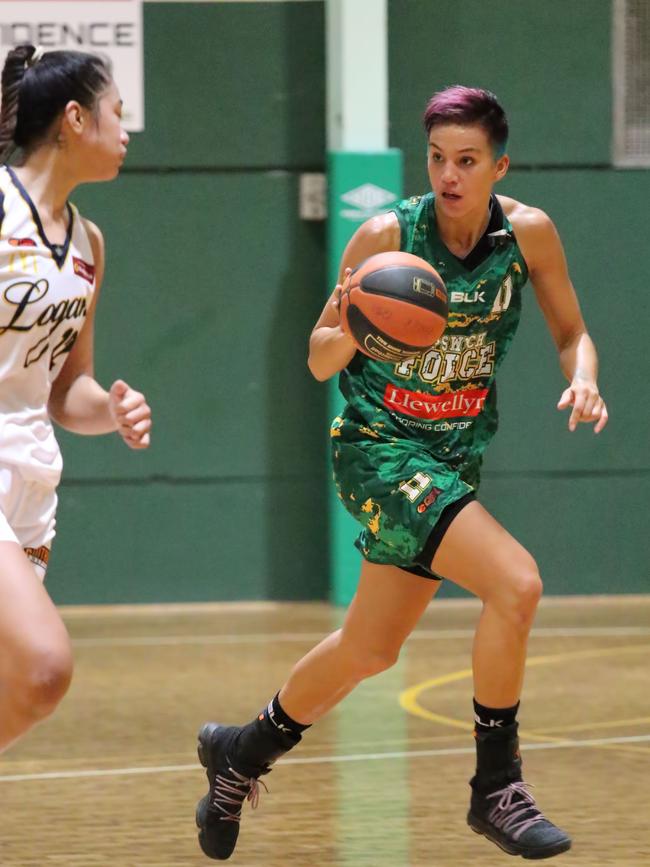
{"x": 512, "y": 812}
{"x": 234, "y": 790}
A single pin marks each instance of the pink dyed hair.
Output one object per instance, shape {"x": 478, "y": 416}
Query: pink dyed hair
{"x": 469, "y": 106}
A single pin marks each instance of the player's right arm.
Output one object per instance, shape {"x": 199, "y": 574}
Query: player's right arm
{"x": 330, "y": 348}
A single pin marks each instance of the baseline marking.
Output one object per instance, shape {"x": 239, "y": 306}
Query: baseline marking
{"x": 288, "y": 637}
{"x": 313, "y": 760}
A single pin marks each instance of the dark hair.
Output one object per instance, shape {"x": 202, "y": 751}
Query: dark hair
{"x": 468, "y": 106}
{"x": 35, "y": 92}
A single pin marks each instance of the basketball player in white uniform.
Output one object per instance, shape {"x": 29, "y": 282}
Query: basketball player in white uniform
{"x": 62, "y": 112}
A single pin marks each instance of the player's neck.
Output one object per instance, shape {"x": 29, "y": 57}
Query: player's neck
{"x": 461, "y": 234}
{"x": 48, "y": 180}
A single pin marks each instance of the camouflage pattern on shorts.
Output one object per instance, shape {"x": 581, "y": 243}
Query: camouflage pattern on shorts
{"x": 395, "y": 489}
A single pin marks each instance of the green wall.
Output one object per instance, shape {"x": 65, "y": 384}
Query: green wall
{"x": 548, "y": 62}
{"x": 232, "y": 86}
{"x": 213, "y": 285}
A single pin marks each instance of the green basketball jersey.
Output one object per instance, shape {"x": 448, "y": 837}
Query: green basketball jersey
{"x": 446, "y": 398}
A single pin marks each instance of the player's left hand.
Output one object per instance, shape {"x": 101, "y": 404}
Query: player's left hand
{"x": 588, "y": 405}
{"x": 339, "y": 289}
{"x": 131, "y": 413}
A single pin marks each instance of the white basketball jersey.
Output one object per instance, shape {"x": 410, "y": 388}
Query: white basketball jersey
{"x": 45, "y": 293}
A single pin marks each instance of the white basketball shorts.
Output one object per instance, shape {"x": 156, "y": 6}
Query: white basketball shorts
{"x": 27, "y": 515}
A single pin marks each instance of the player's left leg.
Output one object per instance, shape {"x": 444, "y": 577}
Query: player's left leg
{"x": 477, "y": 553}
{"x": 35, "y": 654}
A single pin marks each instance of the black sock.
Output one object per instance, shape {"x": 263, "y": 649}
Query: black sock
{"x": 270, "y": 735}
{"x": 498, "y": 760}
{"x": 275, "y": 714}
{"x": 490, "y": 718}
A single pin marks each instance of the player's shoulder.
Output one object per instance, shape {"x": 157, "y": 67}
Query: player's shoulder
{"x": 524, "y": 218}
{"x": 5, "y": 178}
{"x": 379, "y": 234}
{"x": 534, "y": 230}
{"x": 93, "y": 231}
{"x": 412, "y": 203}
{"x": 382, "y": 231}
{"x": 94, "y": 236}
{"x": 388, "y": 222}
{"x": 96, "y": 240}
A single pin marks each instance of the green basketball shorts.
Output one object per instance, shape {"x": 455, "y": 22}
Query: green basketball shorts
{"x": 399, "y": 492}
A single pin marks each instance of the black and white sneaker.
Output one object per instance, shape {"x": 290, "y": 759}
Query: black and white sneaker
{"x": 510, "y": 818}
{"x": 219, "y": 812}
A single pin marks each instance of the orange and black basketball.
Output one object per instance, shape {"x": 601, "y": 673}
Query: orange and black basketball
{"x": 394, "y": 306}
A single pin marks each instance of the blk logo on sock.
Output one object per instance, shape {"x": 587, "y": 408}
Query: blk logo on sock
{"x": 492, "y": 724}
{"x": 278, "y": 725}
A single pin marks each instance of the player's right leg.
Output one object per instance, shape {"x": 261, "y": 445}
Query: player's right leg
{"x": 35, "y": 653}
{"x": 387, "y": 605}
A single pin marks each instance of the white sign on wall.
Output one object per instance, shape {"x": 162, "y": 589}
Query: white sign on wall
{"x": 112, "y": 28}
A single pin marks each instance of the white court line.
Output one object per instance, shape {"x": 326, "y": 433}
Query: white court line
{"x": 287, "y": 637}
{"x": 317, "y": 760}
{"x": 155, "y": 609}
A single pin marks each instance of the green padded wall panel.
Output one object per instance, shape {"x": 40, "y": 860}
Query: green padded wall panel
{"x": 212, "y": 287}
{"x": 196, "y": 541}
{"x": 548, "y": 62}
{"x": 233, "y": 84}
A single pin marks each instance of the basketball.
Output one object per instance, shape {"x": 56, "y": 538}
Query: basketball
{"x": 394, "y": 306}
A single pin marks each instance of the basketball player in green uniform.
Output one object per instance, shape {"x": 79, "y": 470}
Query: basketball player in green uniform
{"x": 407, "y": 451}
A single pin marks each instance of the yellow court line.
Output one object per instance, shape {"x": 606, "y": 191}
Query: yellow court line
{"x": 408, "y": 698}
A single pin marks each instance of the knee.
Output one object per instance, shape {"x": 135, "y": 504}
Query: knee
{"x": 42, "y": 680}
{"x": 368, "y": 661}
{"x": 376, "y": 661}
{"x": 521, "y": 594}
{"x": 528, "y": 593}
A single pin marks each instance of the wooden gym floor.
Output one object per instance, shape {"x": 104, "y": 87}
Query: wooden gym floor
{"x": 111, "y": 780}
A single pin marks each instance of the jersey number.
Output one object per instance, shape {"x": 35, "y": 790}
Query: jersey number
{"x": 416, "y": 486}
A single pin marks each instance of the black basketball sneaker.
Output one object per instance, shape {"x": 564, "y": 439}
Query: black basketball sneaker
{"x": 231, "y": 783}
{"x": 510, "y": 818}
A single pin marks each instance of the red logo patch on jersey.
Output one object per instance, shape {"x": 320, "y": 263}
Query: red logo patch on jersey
{"x": 83, "y": 269}
{"x": 420, "y": 405}
{"x": 22, "y": 242}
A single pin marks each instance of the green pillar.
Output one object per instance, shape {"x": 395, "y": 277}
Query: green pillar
{"x": 361, "y": 184}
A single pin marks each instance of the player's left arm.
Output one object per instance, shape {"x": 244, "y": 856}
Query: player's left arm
{"x": 556, "y": 296}
{"x": 77, "y": 401}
